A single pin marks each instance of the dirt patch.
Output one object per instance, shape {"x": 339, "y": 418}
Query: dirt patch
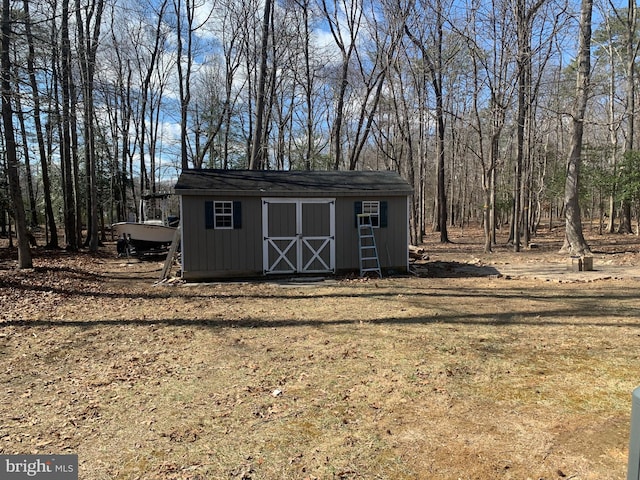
{"x": 473, "y": 371}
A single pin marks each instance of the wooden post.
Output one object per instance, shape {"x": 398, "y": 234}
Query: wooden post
{"x": 171, "y": 255}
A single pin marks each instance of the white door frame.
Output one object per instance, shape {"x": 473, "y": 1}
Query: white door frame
{"x": 299, "y": 242}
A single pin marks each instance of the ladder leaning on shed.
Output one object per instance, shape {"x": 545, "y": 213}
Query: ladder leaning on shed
{"x": 367, "y": 250}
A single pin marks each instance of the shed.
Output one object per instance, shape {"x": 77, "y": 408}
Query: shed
{"x": 239, "y": 223}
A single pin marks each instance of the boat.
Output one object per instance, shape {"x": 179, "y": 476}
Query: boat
{"x": 151, "y": 236}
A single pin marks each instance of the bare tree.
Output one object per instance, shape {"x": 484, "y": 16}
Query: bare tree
{"x": 258, "y": 147}
{"x": 492, "y": 73}
{"x": 346, "y": 43}
{"x": 574, "y": 242}
{"x": 631, "y": 46}
{"x": 37, "y": 121}
{"x": 115, "y": 83}
{"x": 524, "y": 16}
{"x": 233, "y": 24}
{"x": 186, "y": 29}
{"x": 614, "y": 121}
{"x": 434, "y": 63}
{"x": 88, "y": 28}
{"x": 386, "y": 34}
{"x": 65, "y": 127}
{"x": 24, "y": 251}
{"x": 307, "y": 78}
{"x": 33, "y": 213}
{"x": 400, "y": 146}
{"x": 147, "y": 59}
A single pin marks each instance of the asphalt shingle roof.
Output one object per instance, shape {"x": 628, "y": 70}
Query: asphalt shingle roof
{"x": 290, "y": 183}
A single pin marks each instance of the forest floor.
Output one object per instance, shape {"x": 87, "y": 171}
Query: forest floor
{"x": 486, "y": 366}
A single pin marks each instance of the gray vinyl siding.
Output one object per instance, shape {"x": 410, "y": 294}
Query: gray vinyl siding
{"x": 220, "y": 252}
{"x": 392, "y": 241}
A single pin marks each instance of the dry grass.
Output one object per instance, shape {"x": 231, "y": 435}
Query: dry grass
{"x": 402, "y": 378}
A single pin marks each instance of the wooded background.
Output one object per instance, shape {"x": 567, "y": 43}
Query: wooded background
{"x": 474, "y": 102}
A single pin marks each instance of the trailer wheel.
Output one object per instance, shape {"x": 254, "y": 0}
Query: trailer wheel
{"x": 125, "y": 247}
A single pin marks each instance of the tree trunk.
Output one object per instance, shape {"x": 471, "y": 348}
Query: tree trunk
{"x": 435, "y": 69}
{"x": 402, "y": 115}
{"x": 123, "y": 182}
{"x": 257, "y": 149}
{"x": 522, "y": 61}
{"x": 27, "y": 162}
{"x": 308, "y": 87}
{"x": 438, "y": 90}
{"x": 631, "y": 53}
{"x": 442, "y": 194}
{"x": 493, "y": 217}
{"x": 184, "y": 75}
{"x": 70, "y": 228}
{"x": 486, "y": 214}
{"x": 87, "y": 49}
{"x": 24, "y": 252}
{"x": 625, "y": 217}
{"x": 336, "y": 129}
{"x": 75, "y": 158}
{"x": 574, "y": 242}
{"x": 44, "y": 163}
{"x": 145, "y": 103}
{"x": 613, "y": 137}
{"x": 347, "y": 47}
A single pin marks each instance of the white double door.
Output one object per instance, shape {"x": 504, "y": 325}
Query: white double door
{"x": 299, "y": 235}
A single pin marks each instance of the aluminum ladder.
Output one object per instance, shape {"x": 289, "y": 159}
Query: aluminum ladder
{"x": 367, "y": 251}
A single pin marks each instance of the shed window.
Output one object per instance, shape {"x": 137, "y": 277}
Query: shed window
{"x": 377, "y": 210}
{"x": 373, "y": 210}
{"x": 223, "y": 215}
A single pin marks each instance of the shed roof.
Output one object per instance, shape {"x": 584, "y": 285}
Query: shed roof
{"x": 291, "y": 183}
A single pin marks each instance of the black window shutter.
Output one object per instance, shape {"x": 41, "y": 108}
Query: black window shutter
{"x": 357, "y": 207}
{"x": 208, "y": 215}
{"x": 384, "y": 207}
{"x": 237, "y": 215}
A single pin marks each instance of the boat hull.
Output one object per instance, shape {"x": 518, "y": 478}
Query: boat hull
{"x": 144, "y": 232}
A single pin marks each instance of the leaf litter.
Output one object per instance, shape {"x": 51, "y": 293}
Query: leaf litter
{"x": 451, "y": 375}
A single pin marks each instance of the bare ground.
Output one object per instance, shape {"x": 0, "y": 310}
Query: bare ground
{"x": 498, "y": 366}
